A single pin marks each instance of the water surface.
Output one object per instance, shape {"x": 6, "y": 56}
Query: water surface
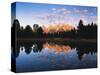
{"x": 40, "y": 56}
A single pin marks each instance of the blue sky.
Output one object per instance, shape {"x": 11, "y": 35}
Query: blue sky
{"x": 51, "y": 14}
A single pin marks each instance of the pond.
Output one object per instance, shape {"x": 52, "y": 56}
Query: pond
{"x": 46, "y": 56}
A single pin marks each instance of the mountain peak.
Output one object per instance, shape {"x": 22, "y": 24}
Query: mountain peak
{"x": 57, "y": 28}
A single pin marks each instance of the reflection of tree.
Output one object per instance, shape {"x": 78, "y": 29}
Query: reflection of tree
{"x": 85, "y": 49}
{"x": 17, "y": 49}
{"x": 37, "y": 47}
{"x": 28, "y": 46}
{"x": 20, "y": 45}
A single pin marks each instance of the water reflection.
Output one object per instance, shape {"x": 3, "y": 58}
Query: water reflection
{"x": 54, "y": 55}
{"x": 56, "y": 47}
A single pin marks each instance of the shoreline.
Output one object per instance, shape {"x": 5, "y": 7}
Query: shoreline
{"x": 58, "y": 40}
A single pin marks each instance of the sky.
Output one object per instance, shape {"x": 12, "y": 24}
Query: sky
{"x": 51, "y": 14}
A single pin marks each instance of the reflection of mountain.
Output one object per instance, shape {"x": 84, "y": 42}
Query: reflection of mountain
{"x": 57, "y": 28}
{"x": 37, "y": 46}
{"x": 57, "y": 48}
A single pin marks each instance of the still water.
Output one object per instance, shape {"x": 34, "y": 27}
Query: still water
{"x": 40, "y": 56}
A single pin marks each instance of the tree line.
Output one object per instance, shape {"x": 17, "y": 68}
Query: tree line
{"x": 82, "y": 31}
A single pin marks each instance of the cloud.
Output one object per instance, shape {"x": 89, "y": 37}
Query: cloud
{"x": 53, "y": 9}
{"x": 93, "y": 19}
{"x": 63, "y": 15}
{"x": 65, "y": 11}
{"x": 57, "y": 15}
{"x": 78, "y": 11}
{"x": 85, "y": 11}
{"x": 60, "y": 10}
